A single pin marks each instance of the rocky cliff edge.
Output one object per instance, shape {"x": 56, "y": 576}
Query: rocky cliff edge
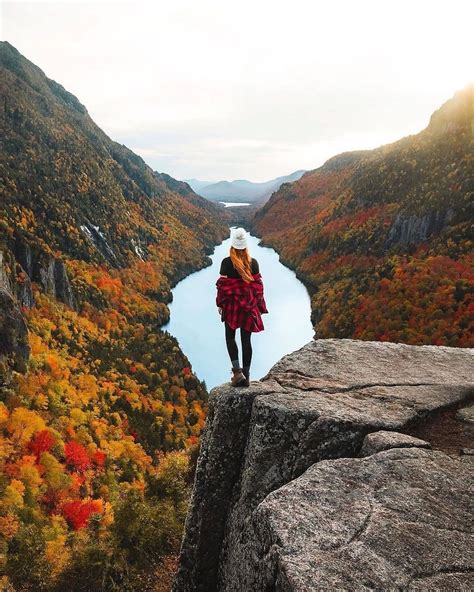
{"x": 348, "y": 467}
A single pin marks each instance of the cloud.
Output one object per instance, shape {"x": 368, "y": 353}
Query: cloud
{"x": 253, "y": 89}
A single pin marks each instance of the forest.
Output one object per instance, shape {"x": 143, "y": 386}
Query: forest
{"x": 384, "y": 236}
{"x": 100, "y": 412}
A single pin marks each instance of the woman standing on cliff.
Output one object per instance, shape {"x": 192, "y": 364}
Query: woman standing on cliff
{"x": 240, "y": 303}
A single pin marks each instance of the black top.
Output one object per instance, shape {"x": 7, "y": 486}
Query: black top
{"x": 229, "y": 270}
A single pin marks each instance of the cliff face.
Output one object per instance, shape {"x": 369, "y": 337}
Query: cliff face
{"x": 372, "y": 229}
{"x": 14, "y": 346}
{"x": 283, "y": 500}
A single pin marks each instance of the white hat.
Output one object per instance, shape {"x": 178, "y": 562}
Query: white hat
{"x": 239, "y": 239}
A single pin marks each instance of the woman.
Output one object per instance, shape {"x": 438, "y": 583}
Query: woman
{"x": 240, "y": 303}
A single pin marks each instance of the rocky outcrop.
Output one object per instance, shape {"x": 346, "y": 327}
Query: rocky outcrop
{"x": 24, "y": 291}
{"x": 316, "y": 404}
{"x": 63, "y": 290}
{"x": 383, "y": 440}
{"x": 50, "y": 272}
{"x": 397, "y": 520}
{"x": 99, "y": 241}
{"x": 14, "y": 346}
{"x": 4, "y": 279}
{"x": 16, "y": 292}
{"x": 412, "y": 229}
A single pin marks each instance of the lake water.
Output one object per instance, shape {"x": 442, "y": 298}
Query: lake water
{"x": 196, "y": 323}
{"x": 228, "y": 204}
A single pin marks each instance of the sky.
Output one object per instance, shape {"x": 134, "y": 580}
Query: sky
{"x": 213, "y": 89}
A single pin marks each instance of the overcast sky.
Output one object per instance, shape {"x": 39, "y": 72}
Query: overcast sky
{"x": 254, "y": 89}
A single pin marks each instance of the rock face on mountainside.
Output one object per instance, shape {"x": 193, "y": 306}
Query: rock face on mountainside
{"x": 14, "y": 347}
{"x": 283, "y": 501}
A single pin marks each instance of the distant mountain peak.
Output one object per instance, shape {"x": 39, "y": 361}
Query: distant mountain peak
{"x": 242, "y": 190}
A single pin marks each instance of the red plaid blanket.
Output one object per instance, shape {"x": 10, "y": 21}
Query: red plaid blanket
{"x": 242, "y": 303}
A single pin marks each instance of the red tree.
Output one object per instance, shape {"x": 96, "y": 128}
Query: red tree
{"x": 76, "y": 456}
{"x": 42, "y": 442}
{"x": 77, "y": 513}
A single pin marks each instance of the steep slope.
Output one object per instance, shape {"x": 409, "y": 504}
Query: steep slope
{"x": 242, "y": 190}
{"x": 99, "y": 409}
{"x": 385, "y": 235}
{"x": 59, "y": 167}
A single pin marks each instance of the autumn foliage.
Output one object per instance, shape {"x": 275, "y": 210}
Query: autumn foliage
{"x": 78, "y": 512}
{"x": 97, "y": 430}
{"x": 42, "y": 441}
{"x": 384, "y": 237}
{"x": 76, "y": 457}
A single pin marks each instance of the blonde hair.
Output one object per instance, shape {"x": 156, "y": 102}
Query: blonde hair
{"x": 242, "y": 262}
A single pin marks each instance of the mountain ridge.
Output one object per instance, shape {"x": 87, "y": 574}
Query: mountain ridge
{"x": 241, "y": 190}
{"x": 100, "y": 411}
{"x": 125, "y": 175}
{"x": 369, "y": 227}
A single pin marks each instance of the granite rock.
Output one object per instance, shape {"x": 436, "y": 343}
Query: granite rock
{"x": 317, "y": 403}
{"x": 50, "y": 272}
{"x": 397, "y": 520}
{"x": 14, "y": 345}
{"x": 63, "y": 288}
{"x": 411, "y": 229}
{"x": 466, "y": 415}
{"x": 384, "y": 440}
{"x": 218, "y": 469}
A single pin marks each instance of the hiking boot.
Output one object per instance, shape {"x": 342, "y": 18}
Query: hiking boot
{"x": 246, "y": 373}
{"x": 238, "y": 377}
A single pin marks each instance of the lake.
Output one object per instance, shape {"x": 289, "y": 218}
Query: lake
{"x": 233, "y": 204}
{"x": 196, "y": 324}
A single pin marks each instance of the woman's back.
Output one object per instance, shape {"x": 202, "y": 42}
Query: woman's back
{"x": 240, "y": 306}
{"x": 229, "y": 270}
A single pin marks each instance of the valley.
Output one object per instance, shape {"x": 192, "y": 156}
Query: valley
{"x": 103, "y": 394}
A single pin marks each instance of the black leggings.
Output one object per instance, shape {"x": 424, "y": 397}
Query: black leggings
{"x": 232, "y": 345}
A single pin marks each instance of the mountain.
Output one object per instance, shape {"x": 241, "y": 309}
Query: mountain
{"x": 74, "y": 177}
{"x": 241, "y": 190}
{"x": 99, "y": 409}
{"x": 384, "y": 236}
{"x": 197, "y": 185}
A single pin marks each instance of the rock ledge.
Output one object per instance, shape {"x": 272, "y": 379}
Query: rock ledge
{"x": 315, "y": 406}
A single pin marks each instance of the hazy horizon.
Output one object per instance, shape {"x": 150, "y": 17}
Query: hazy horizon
{"x": 212, "y": 92}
